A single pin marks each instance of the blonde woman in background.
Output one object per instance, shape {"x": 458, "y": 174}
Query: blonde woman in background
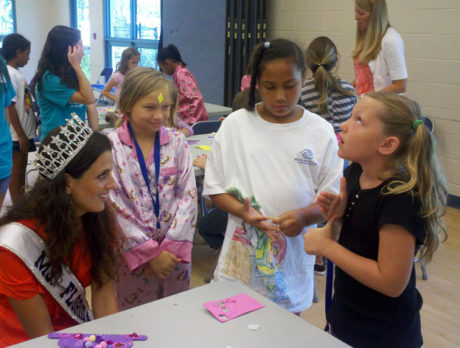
{"x": 378, "y": 54}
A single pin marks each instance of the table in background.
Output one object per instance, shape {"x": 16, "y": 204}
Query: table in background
{"x": 182, "y": 321}
{"x": 101, "y": 112}
{"x": 216, "y": 111}
{"x": 197, "y": 140}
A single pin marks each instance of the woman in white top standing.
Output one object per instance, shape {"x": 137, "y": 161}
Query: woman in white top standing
{"x": 379, "y": 50}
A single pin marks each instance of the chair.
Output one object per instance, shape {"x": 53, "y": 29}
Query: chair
{"x": 105, "y": 73}
{"x": 428, "y": 123}
{"x": 206, "y": 127}
{"x": 100, "y": 85}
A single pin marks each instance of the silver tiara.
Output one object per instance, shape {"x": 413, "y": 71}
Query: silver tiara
{"x": 63, "y": 147}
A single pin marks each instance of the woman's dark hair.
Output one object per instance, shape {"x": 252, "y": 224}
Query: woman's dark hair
{"x": 4, "y": 77}
{"x": 170, "y": 52}
{"x": 12, "y": 43}
{"x": 127, "y": 54}
{"x": 52, "y": 207}
{"x": 54, "y": 56}
{"x": 268, "y": 51}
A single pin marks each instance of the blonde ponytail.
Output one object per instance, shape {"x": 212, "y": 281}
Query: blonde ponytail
{"x": 415, "y": 166}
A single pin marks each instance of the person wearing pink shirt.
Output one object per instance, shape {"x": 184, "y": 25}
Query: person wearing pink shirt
{"x": 191, "y": 105}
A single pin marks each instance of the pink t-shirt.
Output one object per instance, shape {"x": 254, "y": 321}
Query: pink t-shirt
{"x": 118, "y": 77}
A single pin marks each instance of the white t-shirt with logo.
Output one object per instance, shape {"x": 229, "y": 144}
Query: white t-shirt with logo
{"x": 23, "y": 105}
{"x": 282, "y": 167}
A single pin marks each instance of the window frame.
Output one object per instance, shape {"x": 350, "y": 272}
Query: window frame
{"x": 74, "y": 24}
{"x": 109, "y": 41}
{"x": 13, "y": 3}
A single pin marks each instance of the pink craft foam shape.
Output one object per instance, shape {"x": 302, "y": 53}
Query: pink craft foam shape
{"x": 80, "y": 340}
{"x": 232, "y": 307}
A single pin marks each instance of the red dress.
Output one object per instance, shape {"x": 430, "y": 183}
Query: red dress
{"x": 18, "y": 282}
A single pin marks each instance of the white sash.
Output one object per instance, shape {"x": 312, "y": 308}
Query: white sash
{"x": 30, "y": 248}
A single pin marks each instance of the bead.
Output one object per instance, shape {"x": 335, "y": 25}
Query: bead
{"x": 92, "y": 338}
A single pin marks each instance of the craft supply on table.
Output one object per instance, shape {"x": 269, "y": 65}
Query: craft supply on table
{"x": 204, "y": 147}
{"x": 77, "y": 340}
{"x": 232, "y": 307}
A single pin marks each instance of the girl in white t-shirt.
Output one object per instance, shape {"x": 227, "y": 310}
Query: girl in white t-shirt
{"x": 23, "y": 124}
{"x": 266, "y": 166}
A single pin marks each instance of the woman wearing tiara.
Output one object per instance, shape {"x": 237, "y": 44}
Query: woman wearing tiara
{"x": 54, "y": 239}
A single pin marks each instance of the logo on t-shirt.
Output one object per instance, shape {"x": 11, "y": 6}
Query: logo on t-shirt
{"x": 305, "y": 157}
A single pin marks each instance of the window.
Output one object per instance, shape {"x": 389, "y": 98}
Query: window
{"x": 79, "y": 19}
{"x": 132, "y": 23}
{"x": 7, "y": 18}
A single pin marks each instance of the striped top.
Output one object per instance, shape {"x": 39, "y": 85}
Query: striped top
{"x": 339, "y": 106}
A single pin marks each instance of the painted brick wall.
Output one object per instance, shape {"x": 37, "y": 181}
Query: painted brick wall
{"x": 431, "y": 33}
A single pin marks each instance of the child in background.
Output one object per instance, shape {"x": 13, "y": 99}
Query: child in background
{"x": 191, "y": 105}
{"x": 246, "y": 79}
{"x": 156, "y": 199}
{"x": 267, "y": 162}
{"x": 23, "y": 124}
{"x": 7, "y": 94}
{"x": 323, "y": 93}
{"x": 129, "y": 60}
{"x": 390, "y": 206}
{"x": 61, "y": 84}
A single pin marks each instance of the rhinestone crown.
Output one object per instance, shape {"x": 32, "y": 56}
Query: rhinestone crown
{"x": 63, "y": 147}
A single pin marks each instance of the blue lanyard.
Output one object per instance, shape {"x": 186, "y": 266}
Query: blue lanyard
{"x": 156, "y": 157}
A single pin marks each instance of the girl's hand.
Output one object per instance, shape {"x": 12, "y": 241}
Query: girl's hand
{"x": 317, "y": 240}
{"x": 23, "y": 144}
{"x": 200, "y": 161}
{"x": 256, "y": 219}
{"x": 75, "y": 55}
{"x": 163, "y": 264}
{"x": 291, "y": 222}
{"x": 331, "y": 204}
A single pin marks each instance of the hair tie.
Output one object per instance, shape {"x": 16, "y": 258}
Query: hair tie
{"x": 267, "y": 44}
{"x": 416, "y": 123}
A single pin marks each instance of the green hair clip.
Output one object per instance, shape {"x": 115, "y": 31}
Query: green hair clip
{"x": 416, "y": 123}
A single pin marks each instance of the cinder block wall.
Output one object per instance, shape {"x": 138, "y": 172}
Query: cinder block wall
{"x": 431, "y": 33}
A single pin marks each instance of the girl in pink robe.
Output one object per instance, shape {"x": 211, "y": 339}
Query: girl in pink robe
{"x": 157, "y": 241}
{"x": 191, "y": 105}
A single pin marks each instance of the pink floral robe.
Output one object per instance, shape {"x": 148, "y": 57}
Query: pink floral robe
{"x": 191, "y": 105}
{"x": 136, "y": 283}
